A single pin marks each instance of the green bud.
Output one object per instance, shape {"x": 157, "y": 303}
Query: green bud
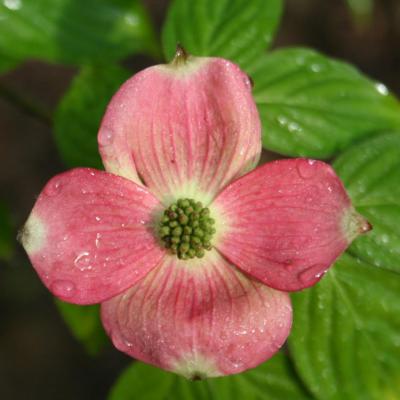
{"x": 164, "y": 231}
{"x": 187, "y": 230}
{"x": 185, "y": 238}
{"x": 184, "y": 247}
{"x": 200, "y": 253}
{"x": 183, "y": 219}
{"x": 195, "y": 240}
{"x": 198, "y": 232}
{"x": 205, "y": 212}
{"x": 177, "y": 231}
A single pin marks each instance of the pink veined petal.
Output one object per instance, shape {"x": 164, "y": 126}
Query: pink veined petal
{"x": 286, "y": 222}
{"x": 201, "y": 319}
{"x": 184, "y": 129}
{"x": 89, "y": 235}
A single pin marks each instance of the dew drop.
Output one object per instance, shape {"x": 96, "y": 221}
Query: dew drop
{"x": 282, "y": 120}
{"x": 316, "y": 67}
{"x": 13, "y": 4}
{"x": 106, "y": 137}
{"x": 97, "y": 241}
{"x": 63, "y": 288}
{"x": 82, "y": 261}
{"x": 53, "y": 188}
{"x": 312, "y": 273}
{"x": 306, "y": 168}
{"x": 294, "y": 127}
{"x": 385, "y": 239}
{"x": 382, "y": 89}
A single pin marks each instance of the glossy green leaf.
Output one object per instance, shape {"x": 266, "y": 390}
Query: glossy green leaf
{"x": 345, "y": 340}
{"x": 273, "y": 380}
{"x": 78, "y": 116}
{"x": 371, "y": 174}
{"x": 74, "y": 31}
{"x": 239, "y": 30}
{"x": 84, "y": 323}
{"x": 314, "y": 106}
{"x": 7, "y": 239}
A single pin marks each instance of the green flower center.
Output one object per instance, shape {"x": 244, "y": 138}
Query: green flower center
{"x": 186, "y": 229}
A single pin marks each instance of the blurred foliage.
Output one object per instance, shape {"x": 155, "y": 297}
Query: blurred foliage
{"x": 273, "y": 380}
{"x": 84, "y": 323}
{"x": 79, "y": 113}
{"x": 68, "y": 31}
{"x": 7, "y": 239}
{"x": 6, "y": 63}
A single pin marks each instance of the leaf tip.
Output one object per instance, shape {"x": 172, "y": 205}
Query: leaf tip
{"x": 355, "y": 225}
{"x": 181, "y": 56}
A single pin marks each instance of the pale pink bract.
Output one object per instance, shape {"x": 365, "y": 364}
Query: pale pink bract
{"x": 189, "y": 129}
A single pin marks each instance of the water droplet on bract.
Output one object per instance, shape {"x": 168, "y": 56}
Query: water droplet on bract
{"x": 106, "y": 137}
{"x": 63, "y": 288}
{"x": 82, "y": 261}
{"x": 53, "y": 188}
{"x": 128, "y": 343}
{"x": 306, "y": 168}
{"x": 312, "y": 273}
{"x": 98, "y": 219}
{"x": 97, "y": 241}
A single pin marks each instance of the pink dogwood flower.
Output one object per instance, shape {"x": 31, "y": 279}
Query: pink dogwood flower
{"x": 189, "y": 250}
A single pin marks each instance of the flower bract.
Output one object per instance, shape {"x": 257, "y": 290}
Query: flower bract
{"x": 190, "y": 250}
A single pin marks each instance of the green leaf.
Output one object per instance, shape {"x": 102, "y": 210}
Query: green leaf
{"x": 371, "y": 174}
{"x": 78, "y": 116}
{"x": 75, "y": 31}
{"x": 314, "y": 106}
{"x": 239, "y": 30}
{"x": 273, "y": 380}
{"x": 7, "y": 240}
{"x": 345, "y": 340}
{"x": 6, "y": 64}
{"x": 84, "y": 323}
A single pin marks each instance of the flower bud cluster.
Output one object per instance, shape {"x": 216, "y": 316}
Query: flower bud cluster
{"x": 186, "y": 229}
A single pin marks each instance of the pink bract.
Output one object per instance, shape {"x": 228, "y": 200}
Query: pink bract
{"x": 189, "y": 129}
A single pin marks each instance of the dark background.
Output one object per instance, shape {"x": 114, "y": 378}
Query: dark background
{"x": 39, "y": 358}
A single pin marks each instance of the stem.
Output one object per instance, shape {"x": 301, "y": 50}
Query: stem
{"x": 26, "y": 105}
